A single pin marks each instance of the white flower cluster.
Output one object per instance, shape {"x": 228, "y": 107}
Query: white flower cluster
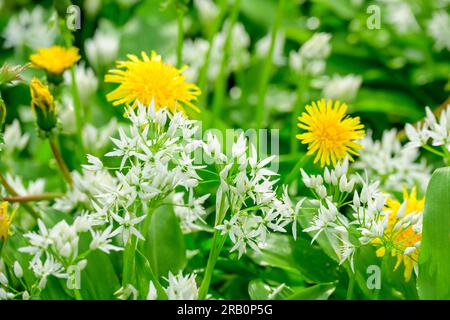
{"x": 246, "y": 189}
{"x": 401, "y": 17}
{"x": 7, "y": 291}
{"x": 344, "y": 88}
{"x": 329, "y": 219}
{"x": 194, "y": 52}
{"x": 102, "y": 49}
{"x": 438, "y": 28}
{"x": 436, "y": 130}
{"x": 30, "y": 29}
{"x": 86, "y": 80}
{"x": 310, "y": 58}
{"x": 14, "y": 140}
{"x": 334, "y": 183}
{"x": 87, "y": 186}
{"x": 263, "y": 46}
{"x": 55, "y": 251}
{"x": 390, "y": 163}
{"x": 179, "y": 288}
{"x": 156, "y": 158}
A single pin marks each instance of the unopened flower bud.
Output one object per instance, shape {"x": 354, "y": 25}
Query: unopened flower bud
{"x": 18, "y": 271}
{"x": 43, "y": 105}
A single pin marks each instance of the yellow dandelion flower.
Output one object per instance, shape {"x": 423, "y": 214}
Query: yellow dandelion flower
{"x": 331, "y": 134}
{"x": 5, "y": 220}
{"x": 56, "y": 59}
{"x": 396, "y": 239}
{"x": 151, "y": 78}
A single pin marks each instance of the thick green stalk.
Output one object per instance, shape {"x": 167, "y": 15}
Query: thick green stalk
{"x": 214, "y": 253}
{"x": 221, "y": 82}
{"x": 261, "y": 111}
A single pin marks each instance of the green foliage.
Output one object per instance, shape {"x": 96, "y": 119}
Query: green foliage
{"x": 434, "y": 259}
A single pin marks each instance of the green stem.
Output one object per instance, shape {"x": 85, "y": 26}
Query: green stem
{"x": 77, "y": 108}
{"x": 432, "y": 150}
{"x": 261, "y": 111}
{"x": 221, "y": 83}
{"x": 77, "y": 294}
{"x": 295, "y": 171}
{"x": 13, "y": 192}
{"x": 351, "y": 285}
{"x": 203, "y": 76}
{"x": 214, "y": 253}
{"x": 180, "y": 37}
{"x": 302, "y": 88}
{"x": 129, "y": 260}
{"x": 33, "y": 197}
{"x": 59, "y": 160}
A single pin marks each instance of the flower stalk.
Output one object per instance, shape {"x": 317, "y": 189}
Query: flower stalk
{"x": 261, "y": 110}
{"x": 13, "y": 192}
{"x": 220, "y": 87}
{"x": 59, "y": 160}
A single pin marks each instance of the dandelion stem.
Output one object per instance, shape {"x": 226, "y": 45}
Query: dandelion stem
{"x": 13, "y": 192}
{"x": 33, "y": 197}
{"x": 302, "y": 88}
{"x": 261, "y": 111}
{"x": 221, "y": 83}
{"x": 61, "y": 164}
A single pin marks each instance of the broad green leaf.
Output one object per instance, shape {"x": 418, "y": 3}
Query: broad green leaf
{"x": 99, "y": 280}
{"x": 298, "y": 256}
{"x": 258, "y": 290}
{"x": 434, "y": 258}
{"x": 164, "y": 246}
{"x": 318, "y": 292}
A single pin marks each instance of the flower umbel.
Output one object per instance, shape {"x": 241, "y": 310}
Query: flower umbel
{"x": 5, "y": 220}
{"x": 43, "y": 105}
{"x": 404, "y": 231}
{"x": 55, "y": 60}
{"x": 331, "y": 134}
{"x": 151, "y": 78}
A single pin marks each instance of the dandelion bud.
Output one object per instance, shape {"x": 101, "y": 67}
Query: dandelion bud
{"x": 18, "y": 271}
{"x": 43, "y": 105}
{"x": 5, "y": 220}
